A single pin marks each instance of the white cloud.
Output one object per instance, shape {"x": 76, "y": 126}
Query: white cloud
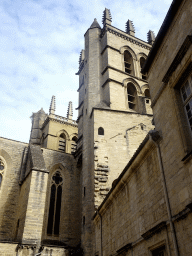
{"x": 40, "y": 44}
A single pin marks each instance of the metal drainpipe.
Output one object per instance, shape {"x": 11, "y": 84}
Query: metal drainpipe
{"x": 101, "y": 233}
{"x": 166, "y": 197}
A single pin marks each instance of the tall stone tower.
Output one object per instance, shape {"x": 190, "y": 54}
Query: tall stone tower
{"x": 114, "y": 111}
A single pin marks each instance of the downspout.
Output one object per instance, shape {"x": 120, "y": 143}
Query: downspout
{"x": 101, "y": 233}
{"x": 166, "y": 195}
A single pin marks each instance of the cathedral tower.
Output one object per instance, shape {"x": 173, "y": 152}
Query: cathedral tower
{"x": 114, "y": 110}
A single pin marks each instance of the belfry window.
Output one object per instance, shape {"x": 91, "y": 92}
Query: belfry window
{"x": 147, "y": 96}
{"x": 73, "y": 145}
{"x": 128, "y": 62}
{"x": 62, "y": 142}
{"x": 132, "y": 96}
{"x": 186, "y": 93}
{"x": 55, "y": 204}
{"x": 142, "y": 63}
{"x": 100, "y": 131}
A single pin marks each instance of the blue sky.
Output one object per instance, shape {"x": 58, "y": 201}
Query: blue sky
{"x": 40, "y": 43}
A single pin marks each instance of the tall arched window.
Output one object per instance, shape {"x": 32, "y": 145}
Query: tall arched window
{"x": 100, "y": 131}
{"x": 2, "y": 167}
{"x": 73, "y": 145}
{"x": 132, "y": 96}
{"x": 55, "y": 204}
{"x": 128, "y": 62}
{"x": 142, "y": 63}
{"x": 62, "y": 142}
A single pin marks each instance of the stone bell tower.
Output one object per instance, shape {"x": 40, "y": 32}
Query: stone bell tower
{"x": 114, "y": 111}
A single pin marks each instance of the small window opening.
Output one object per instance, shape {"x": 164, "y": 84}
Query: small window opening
{"x": 128, "y": 62}
{"x": 85, "y": 91}
{"x": 62, "y": 142}
{"x": 100, "y": 131}
{"x": 83, "y": 220}
{"x": 86, "y": 111}
{"x": 142, "y": 63}
{"x": 74, "y": 145}
{"x": 159, "y": 251}
{"x": 84, "y": 191}
{"x": 132, "y": 96}
{"x": 147, "y": 93}
{"x": 55, "y": 205}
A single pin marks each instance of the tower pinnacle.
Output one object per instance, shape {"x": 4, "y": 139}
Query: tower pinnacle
{"x": 52, "y": 106}
{"x": 95, "y": 24}
{"x": 107, "y": 19}
{"x": 150, "y": 37}
{"x": 70, "y": 111}
{"x": 130, "y": 28}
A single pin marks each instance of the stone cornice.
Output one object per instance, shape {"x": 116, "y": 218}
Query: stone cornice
{"x": 154, "y": 230}
{"x": 80, "y": 105}
{"x": 121, "y": 34}
{"x": 58, "y": 121}
{"x": 123, "y": 72}
{"x": 178, "y": 58}
{"x": 110, "y": 47}
{"x": 111, "y": 80}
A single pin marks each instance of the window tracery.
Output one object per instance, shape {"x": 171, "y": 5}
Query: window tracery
{"x": 55, "y": 204}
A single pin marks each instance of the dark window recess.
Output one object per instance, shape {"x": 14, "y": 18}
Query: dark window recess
{"x": 83, "y": 220}
{"x": 100, "y": 131}
{"x": 74, "y": 145}
{"x": 62, "y": 142}
{"x": 132, "y": 96}
{"x": 142, "y": 62}
{"x": 159, "y": 251}
{"x": 84, "y": 191}
{"x": 0, "y": 179}
{"x": 55, "y": 205}
{"x": 128, "y": 62}
{"x": 147, "y": 94}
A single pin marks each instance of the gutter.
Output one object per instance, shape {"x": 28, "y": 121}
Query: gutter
{"x": 173, "y": 233}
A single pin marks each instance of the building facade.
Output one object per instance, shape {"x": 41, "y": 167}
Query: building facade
{"x": 119, "y": 180}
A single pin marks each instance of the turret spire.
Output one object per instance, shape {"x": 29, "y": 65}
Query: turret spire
{"x": 52, "y": 106}
{"x": 70, "y": 111}
{"x": 130, "y": 28}
{"x": 107, "y": 19}
{"x": 150, "y": 37}
{"x": 95, "y": 24}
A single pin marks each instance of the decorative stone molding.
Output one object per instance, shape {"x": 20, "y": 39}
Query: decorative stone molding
{"x": 154, "y": 230}
{"x": 119, "y": 34}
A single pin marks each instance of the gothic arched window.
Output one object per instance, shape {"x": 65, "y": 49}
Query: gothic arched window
{"x": 74, "y": 145}
{"x": 100, "y": 131}
{"x": 55, "y": 204}
{"x": 132, "y": 96}
{"x": 128, "y": 62}
{"x": 62, "y": 142}
{"x": 142, "y": 63}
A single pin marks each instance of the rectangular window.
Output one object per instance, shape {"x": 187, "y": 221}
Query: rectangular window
{"x": 186, "y": 94}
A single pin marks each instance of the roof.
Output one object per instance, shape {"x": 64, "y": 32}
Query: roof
{"x": 162, "y": 33}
